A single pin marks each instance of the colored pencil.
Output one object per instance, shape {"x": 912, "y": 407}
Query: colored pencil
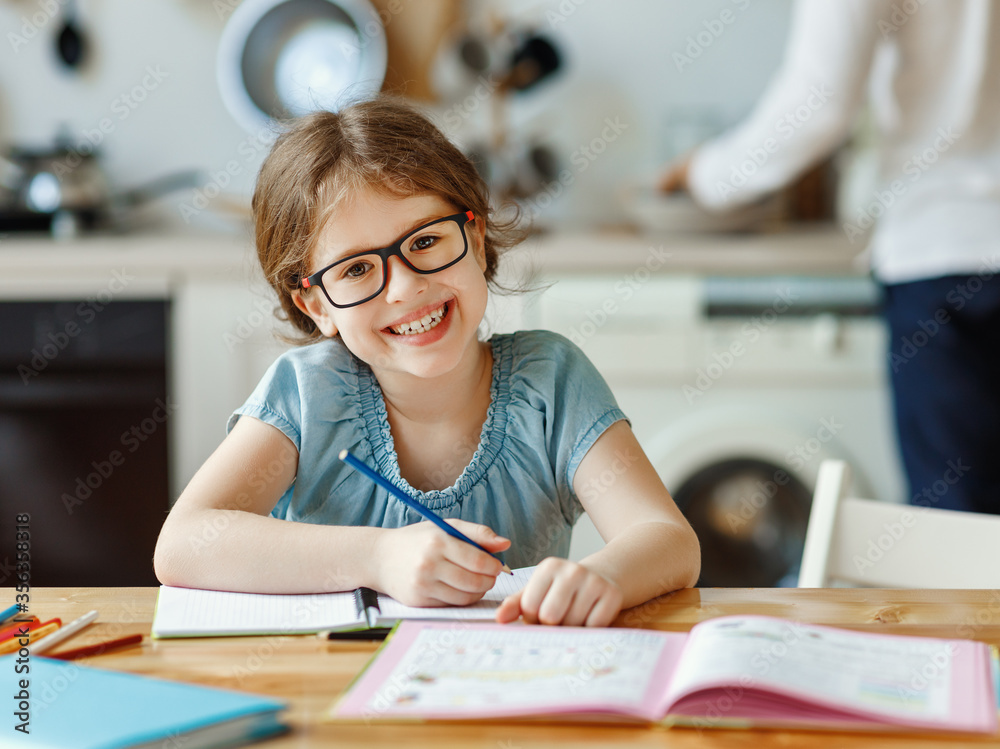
{"x": 40, "y": 631}
{"x": 409, "y": 501}
{"x": 68, "y": 631}
{"x": 8, "y": 613}
{"x": 13, "y": 630}
{"x": 98, "y": 648}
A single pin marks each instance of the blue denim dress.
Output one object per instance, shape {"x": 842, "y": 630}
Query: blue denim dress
{"x": 548, "y": 406}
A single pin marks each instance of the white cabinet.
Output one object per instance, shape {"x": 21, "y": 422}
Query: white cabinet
{"x": 223, "y": 342}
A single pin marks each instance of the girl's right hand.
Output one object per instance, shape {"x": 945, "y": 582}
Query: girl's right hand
{"x": 421, "y": 565}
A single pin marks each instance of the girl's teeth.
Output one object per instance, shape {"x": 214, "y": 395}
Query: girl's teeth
{"x": 427, "y": 322}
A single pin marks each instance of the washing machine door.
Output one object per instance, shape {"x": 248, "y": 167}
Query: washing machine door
{"x": 744, "y": 481}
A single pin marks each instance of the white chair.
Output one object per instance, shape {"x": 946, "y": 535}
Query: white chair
{"x": 886, "y": 545}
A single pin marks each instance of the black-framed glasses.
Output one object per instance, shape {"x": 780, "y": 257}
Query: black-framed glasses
{"x": 361, "y": 277}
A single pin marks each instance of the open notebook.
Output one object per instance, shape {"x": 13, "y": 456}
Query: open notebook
{"x": 188, "y": 612}
{"x": 733, "y": 671}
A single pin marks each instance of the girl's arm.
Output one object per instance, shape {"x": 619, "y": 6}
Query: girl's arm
{"x": 650, "y": 549}
{"x": 219, "y": 536}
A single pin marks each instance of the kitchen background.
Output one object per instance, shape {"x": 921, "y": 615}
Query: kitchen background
{"x": 174, "y": 327}
{"x": 151, "y": 71}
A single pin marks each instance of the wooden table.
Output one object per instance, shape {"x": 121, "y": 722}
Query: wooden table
{"x": 309, "y": 673}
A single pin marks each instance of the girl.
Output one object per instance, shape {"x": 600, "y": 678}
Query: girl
{"x": 377, "y": 235}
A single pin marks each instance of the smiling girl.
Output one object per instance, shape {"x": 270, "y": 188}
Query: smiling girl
{"x": 378, "y": 237}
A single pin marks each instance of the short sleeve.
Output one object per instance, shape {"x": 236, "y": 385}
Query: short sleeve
{"x": 276, "y": 401}
{"x": 578, "y": 404}
{"x": 310, "y": 395}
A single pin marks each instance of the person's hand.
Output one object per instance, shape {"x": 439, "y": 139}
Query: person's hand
{"x": 563, "y": 592}
{"x": 421, "y": 565}
{"x": 675, "y": 178}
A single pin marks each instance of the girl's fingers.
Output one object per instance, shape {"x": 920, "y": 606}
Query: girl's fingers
{"x": 442, "y": 594}
{"x": 558, "y": 600}
{"x": 534, "y": 593}
{"x": 456, "y": 575}
{"x": 481, "y": 534}
{"x": 549, "y": 598}
{"x": 583, "y": 603}
{"x": 509, "y": 609}
{"x": 472, "y": 559}
{"x": 605, "y": 610}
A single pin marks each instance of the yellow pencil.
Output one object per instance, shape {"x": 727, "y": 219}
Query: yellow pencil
{"x": 14, "y": 644}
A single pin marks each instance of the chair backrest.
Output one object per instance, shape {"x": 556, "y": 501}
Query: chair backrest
{"x": 887, "y": 545}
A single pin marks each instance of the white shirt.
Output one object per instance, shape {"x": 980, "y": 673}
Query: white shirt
{"x": 932, "y": 73}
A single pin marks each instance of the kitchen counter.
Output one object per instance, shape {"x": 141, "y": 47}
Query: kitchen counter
{"x": 820, "y": 251}
{"x": 33, "y": 266}
{"x": 823, "y": 250}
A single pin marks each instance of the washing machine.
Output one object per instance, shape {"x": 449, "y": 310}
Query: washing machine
{"x": 738, "y": 388}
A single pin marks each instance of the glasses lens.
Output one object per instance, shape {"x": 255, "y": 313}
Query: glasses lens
{"x": 429, "y": 249}
{"x": 435, "y": 246}
{"x": 356, "y": 279}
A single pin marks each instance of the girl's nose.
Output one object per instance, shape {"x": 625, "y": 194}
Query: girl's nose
{"x": 401, "y": 283}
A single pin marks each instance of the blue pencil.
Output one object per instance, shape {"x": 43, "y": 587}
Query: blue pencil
{"x": 409, "y": 501}
{"x": 8, "y": 613}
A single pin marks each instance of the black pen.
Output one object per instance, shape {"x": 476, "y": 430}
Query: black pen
{"x": 366, "y": 601}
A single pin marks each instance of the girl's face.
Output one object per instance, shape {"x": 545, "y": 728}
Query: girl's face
{"x": 457, "y": 295}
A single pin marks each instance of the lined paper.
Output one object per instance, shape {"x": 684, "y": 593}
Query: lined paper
{"x": 189, "y": 612}
{"x": 482, "y": 609}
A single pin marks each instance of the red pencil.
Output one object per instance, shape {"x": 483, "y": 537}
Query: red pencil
{"x": 38, "y": 630}
{"x": 97, "y": 648}
{"x": 14, "y": 629}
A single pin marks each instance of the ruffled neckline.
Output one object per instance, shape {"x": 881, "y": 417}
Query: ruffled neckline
{"x": 491, "y": 437}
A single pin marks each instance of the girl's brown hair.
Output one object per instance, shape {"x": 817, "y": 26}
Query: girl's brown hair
{"x": 326, "y": 157}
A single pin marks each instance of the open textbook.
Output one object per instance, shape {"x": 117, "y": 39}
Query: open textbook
{"x": 190, "y": 612}
{"x": 733, "y": 671}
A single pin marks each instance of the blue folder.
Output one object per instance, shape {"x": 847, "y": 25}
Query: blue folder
{"x": 70, "y": 706}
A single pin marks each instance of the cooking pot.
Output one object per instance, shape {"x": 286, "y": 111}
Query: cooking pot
{"x": 64, "y": 189}
{"x": 47, "y": 181}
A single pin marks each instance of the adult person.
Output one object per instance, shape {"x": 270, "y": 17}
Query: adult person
{"x": 930, "y": 70}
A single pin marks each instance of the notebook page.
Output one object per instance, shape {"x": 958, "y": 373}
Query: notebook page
{"x": 482, "y": 609}
{"x": 184, "y": 612}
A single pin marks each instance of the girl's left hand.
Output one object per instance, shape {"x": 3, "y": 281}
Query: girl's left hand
{"x": 564, "y": 592}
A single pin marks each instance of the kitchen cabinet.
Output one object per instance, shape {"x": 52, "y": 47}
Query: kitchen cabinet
{"x": 219, "y": 329}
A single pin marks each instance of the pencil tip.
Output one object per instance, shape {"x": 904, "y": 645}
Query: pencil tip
{"x": 506, "y": 569}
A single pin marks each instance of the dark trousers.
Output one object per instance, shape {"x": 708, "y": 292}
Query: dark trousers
{"x": 944, "y": 363}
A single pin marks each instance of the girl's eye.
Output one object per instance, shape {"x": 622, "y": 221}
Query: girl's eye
{"x": 356, "y": 270}
{"x": 423, "y": 243}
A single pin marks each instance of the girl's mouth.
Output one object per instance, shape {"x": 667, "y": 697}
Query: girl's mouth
{"x": 428, "y": 322}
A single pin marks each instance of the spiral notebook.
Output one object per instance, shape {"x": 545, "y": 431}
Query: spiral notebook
{"x": 189, "y": 612}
